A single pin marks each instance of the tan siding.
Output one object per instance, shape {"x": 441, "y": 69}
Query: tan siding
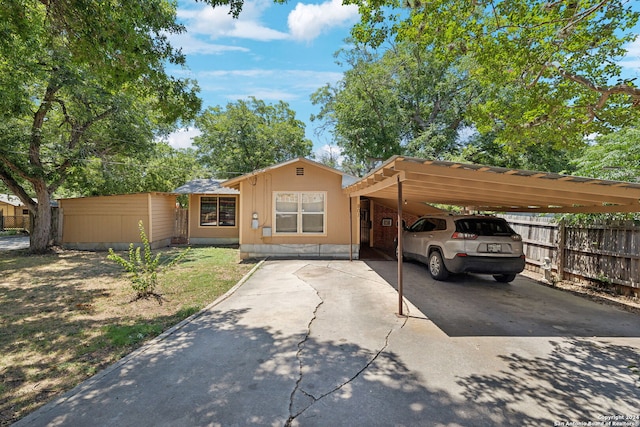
{"x": 163, "y": 209}
{"x": 259, "y": 198}
{"x": 130, "y": 204}
{"x": 10, "y": 210}
{"x": 114, "y": 219}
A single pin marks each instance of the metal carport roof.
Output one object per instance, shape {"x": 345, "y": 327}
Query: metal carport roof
{"x": 497, "y": 189}
{"x": 413, "y": 181}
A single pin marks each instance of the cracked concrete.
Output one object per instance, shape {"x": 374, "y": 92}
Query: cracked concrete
{"x": 318, "y": 343}
{"x": 343, "y": 323}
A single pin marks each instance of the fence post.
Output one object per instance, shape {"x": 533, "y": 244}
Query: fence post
{"x": 562, "y": 237}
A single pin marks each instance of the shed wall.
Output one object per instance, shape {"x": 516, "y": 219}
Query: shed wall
{"x": 99, "y": 223}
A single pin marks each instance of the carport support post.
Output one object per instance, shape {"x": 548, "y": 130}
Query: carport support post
{"x": 400, "y": 297}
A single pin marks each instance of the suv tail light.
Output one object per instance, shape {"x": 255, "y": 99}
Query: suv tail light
{"x": 464, "y": 236}
{"x": 516, "y": 237}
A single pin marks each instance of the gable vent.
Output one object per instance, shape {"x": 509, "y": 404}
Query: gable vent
{"x": 299, "y": 171}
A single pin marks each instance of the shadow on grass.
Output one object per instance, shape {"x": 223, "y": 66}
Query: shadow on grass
{"x": 50, "y": 339}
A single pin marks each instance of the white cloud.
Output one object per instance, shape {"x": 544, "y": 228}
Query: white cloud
{"x": 193, "y": 45}
{"x": 216, "y": 22}
{"x": 265, "y": 94}
{"x": 308, "y": 21}
{"x": 183, "y": 138}
{"x": 632, "y": 59}
{"x": 266, "y": 84}
{"x": 331, "y": 152}
{"x": 298, "y": 78}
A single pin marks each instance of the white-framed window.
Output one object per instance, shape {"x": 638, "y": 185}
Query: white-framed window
{"x": 300, "y": 212}
{"x": 217, "y": 211}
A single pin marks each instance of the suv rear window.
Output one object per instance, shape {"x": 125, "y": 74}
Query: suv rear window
{"x": 484, "y": 226}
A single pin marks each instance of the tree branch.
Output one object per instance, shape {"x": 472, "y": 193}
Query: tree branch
{"x": 15, "y": 187}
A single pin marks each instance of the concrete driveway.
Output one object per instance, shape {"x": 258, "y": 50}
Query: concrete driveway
{"x": 9, "y": 243}
{"x": 318, "y": 343}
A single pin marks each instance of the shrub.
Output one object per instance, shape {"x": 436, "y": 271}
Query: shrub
{"x": 144, "y": 268}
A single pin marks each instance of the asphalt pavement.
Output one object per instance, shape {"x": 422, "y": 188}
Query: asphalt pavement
{"x": 319, "y": 343}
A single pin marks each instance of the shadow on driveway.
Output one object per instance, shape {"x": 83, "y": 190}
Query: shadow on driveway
{"x": 477, "y": 305}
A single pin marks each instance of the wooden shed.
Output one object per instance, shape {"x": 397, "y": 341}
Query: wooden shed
{"x": 103, "y": 222}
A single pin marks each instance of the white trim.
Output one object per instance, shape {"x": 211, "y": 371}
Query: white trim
{"x": 300, "y": 213}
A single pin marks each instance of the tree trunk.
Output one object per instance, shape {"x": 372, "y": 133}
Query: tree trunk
{"x": 41, "y": 227}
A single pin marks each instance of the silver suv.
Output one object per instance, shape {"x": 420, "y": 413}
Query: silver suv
{"x": 465, "y": 244}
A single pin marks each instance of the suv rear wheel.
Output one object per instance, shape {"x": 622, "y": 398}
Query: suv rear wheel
{"x": 436, "y": 266}
{"x": 504, "y": 278}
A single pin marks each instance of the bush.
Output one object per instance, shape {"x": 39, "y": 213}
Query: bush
{"x": 144, "y": 269}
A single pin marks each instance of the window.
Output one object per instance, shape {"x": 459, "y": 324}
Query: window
{"x": 299, "y": 212}
{"x": 218, "y": 211}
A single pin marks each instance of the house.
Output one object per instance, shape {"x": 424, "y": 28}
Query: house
{"x": 103, "y": 222}
{"x": 213, "y": 212}
{"x": 11, "y": 205}
{"x": 296, "y": 209}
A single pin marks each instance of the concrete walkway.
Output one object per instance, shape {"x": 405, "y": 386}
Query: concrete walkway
{"x": 318, "y": 343}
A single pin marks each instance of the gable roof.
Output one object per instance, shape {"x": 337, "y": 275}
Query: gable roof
{"x": 205, "y": 186}
{"x": 346, "y": 178}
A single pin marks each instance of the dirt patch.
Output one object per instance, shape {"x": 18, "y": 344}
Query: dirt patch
{"x": 64, "y": 316}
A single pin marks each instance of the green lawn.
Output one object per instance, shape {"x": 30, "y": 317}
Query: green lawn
{"x": 66, "y": 315}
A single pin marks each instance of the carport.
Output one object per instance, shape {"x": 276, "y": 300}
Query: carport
{"x": 408, "y": 181}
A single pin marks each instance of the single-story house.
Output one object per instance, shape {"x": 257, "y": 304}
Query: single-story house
{"x": 296, "y": 209}
{"x": 103, "y": 222}
{"x": 213, "y": 212}
{"x": 301, "y": 208}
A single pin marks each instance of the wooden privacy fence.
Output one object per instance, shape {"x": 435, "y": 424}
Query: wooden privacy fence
{"x": 608, "y": 253}
{"x": 181, "y": 227}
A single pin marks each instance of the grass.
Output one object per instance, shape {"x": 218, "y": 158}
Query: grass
{"x": 66, "y": 315}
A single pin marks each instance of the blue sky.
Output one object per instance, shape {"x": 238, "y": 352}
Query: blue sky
{"x": 274, "y": 52}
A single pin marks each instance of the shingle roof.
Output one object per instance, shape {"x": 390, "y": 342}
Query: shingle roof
{"x": 205, "y": 186}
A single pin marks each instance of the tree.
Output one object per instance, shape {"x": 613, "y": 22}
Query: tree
{"x": 404, "y": 100}
{"x": 161, "y": 168}
{"x": 615, "y": 156}
{"x": 548, "y": 69}
{"x": 81, "y": 78}
{"x": 249, "y": 135}
{"x": 484, "y": 149}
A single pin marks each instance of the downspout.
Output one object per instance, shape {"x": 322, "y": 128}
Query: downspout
{"x": 350, "y": 230}
{"x": 400, "y": 229}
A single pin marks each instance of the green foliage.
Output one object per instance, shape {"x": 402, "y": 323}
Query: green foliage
{"x": 130, "y": 335}
{"x": 249, "y": 135}
{"x": 613, "y": 157}
{"x": 160, "y": 168}
{"x": 405, "y": 100}
{"x": 549, "y": 71}
{"x": 79, "y": 80}
{"x": 144, "y": 268}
